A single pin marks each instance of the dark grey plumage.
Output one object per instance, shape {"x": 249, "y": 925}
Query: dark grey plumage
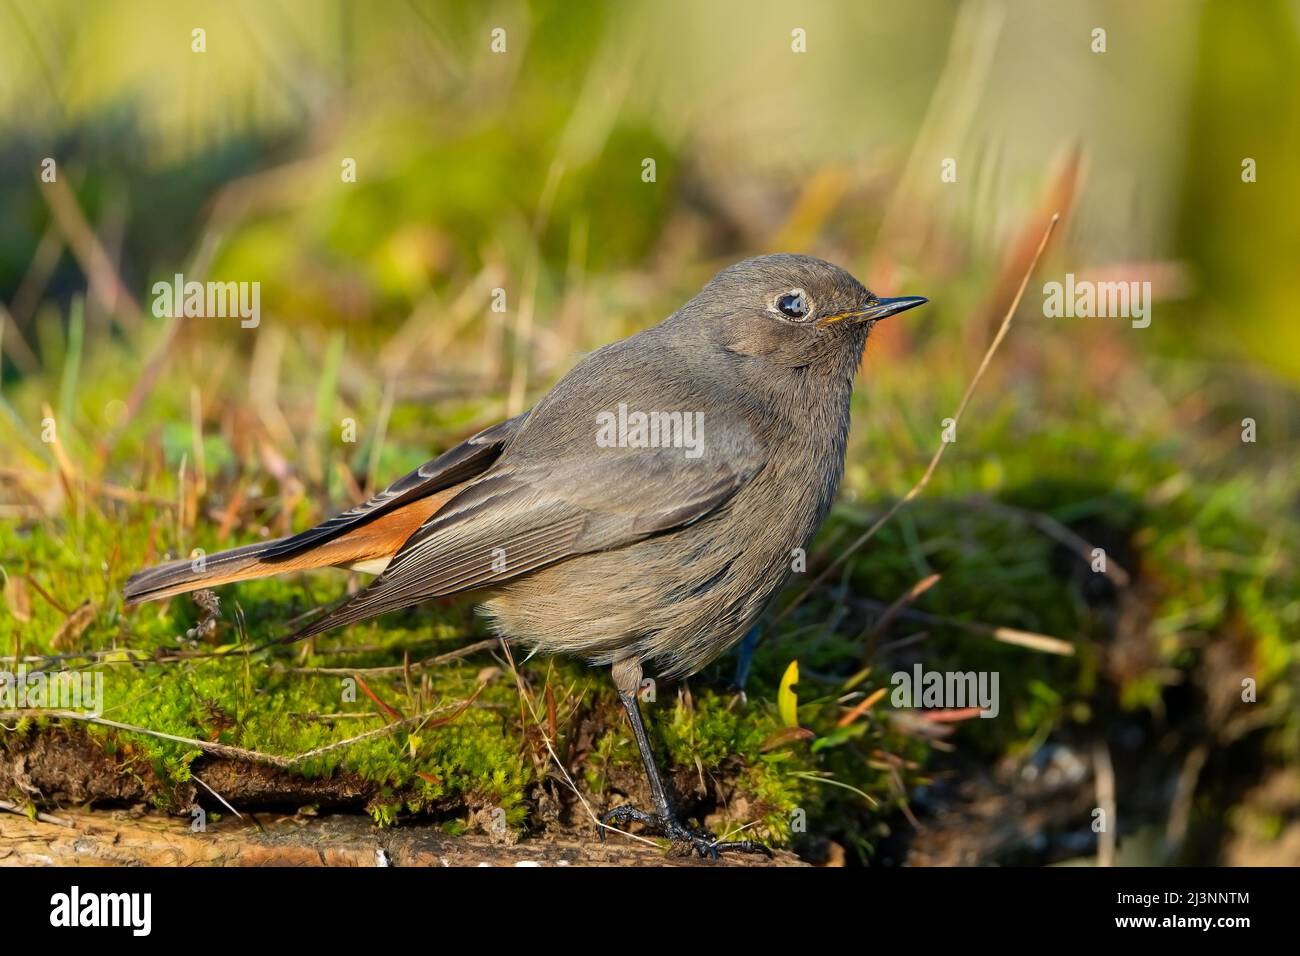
{"x": 616, "y": 552}
{"x": 612, "y": 553}
{"x": 775, "y": 400}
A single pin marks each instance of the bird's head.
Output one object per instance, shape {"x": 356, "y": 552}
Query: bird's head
{"x": 793, "y": 311}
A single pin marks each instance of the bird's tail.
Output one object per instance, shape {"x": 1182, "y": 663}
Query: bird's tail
{"x": 368, "y": 547}
{"x": 203, "y": 571}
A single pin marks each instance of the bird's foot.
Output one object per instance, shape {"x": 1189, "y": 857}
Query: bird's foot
{"x": 700, "y": 841}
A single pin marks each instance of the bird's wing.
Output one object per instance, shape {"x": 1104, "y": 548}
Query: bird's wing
{"x": 467, "y": 460}
{"x": 520, "y": 517}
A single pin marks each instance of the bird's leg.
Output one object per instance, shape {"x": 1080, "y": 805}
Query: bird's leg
{"x": 744, "y": 659}
{"x": 627, "y": 678}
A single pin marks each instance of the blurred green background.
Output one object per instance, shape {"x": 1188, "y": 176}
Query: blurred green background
{"x": 522, "y": 170}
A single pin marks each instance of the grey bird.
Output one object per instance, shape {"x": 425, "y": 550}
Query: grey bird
{"x": 644, "y": 512}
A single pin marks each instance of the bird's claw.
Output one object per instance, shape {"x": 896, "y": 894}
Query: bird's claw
{"x": 702, "y": 842}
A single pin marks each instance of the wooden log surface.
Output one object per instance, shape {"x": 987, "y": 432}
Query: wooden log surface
{"x": 122, "y": 838}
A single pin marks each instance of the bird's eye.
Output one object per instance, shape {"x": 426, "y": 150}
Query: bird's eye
{"x": 793, "y": 304}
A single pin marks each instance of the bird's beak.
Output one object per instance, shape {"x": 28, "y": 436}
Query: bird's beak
{"x": 878, "y": 309}
{"x": 883, "y": 308}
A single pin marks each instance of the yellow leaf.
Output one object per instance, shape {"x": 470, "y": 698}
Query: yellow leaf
{"x": 787, "y": 701}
